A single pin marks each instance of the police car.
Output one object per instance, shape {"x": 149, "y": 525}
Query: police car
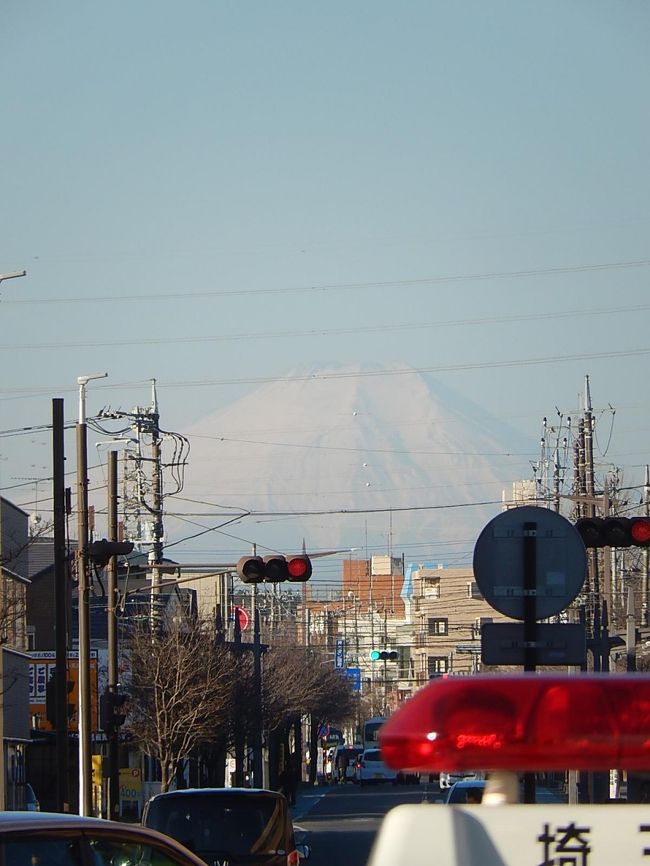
{"x": 507, "y": 724}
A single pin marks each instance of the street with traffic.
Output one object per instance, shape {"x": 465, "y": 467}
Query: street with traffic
{"x": 340, "y": 822}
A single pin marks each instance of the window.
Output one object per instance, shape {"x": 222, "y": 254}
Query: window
{"x": 431, "y": 587}
{"x": 438, "y": 626}
{"x": 437, "y": 665}
{"x": 473, "y": 591}
{"x": 41, "y": 850}
{"x": 109, "y": 852}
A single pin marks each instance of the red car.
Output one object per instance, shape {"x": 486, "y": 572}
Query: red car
{"x": 68, "y": 840}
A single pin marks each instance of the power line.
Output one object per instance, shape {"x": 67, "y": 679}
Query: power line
{"x": 310, "y": 333}
{"x": 420, "y": 281}
{"x": 364, "y": 450}
{"x": 357, "y": 374}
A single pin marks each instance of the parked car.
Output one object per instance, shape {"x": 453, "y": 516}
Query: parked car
{"x": 345, "y": 760}
{"x": 237, "y": 825}
{"x": 68, "y": 840}
{"x": 371, "y": 768}
{"x": 31, "y": 800}
{"x": 466, "y": 791}
{"x": 449, "y": 779}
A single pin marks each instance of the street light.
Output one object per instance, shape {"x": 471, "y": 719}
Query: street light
{"x": 85, "y": 732}
{"x": 12, "y": 275}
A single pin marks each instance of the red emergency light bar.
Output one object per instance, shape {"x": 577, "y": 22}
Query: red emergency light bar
{"x": 523, "y": 722}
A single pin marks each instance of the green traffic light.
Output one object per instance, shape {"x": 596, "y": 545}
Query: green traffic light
{"x": 375, "y": 655}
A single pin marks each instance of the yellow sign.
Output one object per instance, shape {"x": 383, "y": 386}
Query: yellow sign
{"x": 97, "y": 769}
{"x": 130, "y": 783}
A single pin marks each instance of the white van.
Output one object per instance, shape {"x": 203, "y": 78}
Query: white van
{"x": 449, "y": 779}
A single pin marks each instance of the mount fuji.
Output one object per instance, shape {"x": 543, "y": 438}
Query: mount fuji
{"x": 379, "y": 460}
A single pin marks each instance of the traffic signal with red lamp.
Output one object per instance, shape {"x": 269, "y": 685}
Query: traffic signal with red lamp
{"x": 274, "y": 568}
{"x": 522, "y": 723}
{"x": 614, "y": 531}
{"x": 299, "y": 568}
{"x": 384, "y": 655}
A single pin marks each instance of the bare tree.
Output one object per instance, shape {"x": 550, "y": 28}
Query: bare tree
{"x": 180, "y": 681}
{"x": 13, "y": 606}
{"x": 301, "y": 679}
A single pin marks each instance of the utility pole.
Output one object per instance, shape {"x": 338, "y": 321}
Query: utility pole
{"x": 113, "y": 682}
{"x": 385, "y": 708}
{"x": 645, "y": 601}
{"x": 239, "y": 734}
{"x": 85, "y": 721}
{"x": 630, "y": 631}
{"x": 156, "y": 552}
{"x": 257, "y": 691}
{"x": 61, "y": 589}
{"x": 589, "y": 484}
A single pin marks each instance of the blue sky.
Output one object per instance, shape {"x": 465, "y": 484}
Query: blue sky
{"x": 212, "y": 193}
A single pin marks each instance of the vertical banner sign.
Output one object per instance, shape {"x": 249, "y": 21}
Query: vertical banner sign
{"x": 340, "y": 654}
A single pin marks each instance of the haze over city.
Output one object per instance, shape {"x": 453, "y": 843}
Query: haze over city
{"x": 226, "y": 196}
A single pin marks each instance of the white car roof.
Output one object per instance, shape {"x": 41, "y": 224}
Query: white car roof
{"x": 512, "y": 835}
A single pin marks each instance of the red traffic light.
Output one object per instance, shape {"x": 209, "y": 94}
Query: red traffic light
{"x": 299, "y": 568}
{"x": 538, "y": 722}
{"x": 614, "y": 531}
{"x": 640, "y": 530}
{"x": 274, "y": 568}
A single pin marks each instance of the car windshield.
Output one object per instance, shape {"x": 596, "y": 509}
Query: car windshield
{"x": 372, "y": 755}
{"x": 466, "y": 794}
{"x": 217, "y": 825}
{"x": 345, "y": 757}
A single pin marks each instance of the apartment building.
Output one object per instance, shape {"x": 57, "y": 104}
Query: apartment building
{"x": 447, "y": 611}
{"x": 14, "y": 661}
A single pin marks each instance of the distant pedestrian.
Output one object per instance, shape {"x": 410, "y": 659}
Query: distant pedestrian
{"x": 288, "y": 780}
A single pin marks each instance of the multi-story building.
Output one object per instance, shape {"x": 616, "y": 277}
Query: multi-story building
{"x": 14, "y": 661}
{"x": 375, "y": 583}
{"x": 447, "y": 612}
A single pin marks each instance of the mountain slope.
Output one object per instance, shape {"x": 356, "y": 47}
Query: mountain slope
{"x": 355, "y": 444}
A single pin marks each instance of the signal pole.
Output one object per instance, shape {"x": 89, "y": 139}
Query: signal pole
{"x": 257, "y": 689}
{"x": 645, "y": 600}
{"x": 156, "y": 552}
{"x": 61, "y": 604}
{"x": 85, "y": 721}
{"x": 113, "y": 683}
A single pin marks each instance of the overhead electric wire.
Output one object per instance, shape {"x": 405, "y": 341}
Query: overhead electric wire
{"x": 401, "y": 283}
{"x": 357, "y": 374}
{"x": 362, "y": 450}
{"x": 310, "y": 333}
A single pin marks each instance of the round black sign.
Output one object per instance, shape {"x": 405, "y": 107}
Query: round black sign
{"x": 560, "y": 561}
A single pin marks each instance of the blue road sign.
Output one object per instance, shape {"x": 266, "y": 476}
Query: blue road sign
{"x": 340, "y": 654}
{"x": 354, "y": 674}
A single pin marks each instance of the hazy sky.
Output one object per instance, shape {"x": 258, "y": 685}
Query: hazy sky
{"x": 218, "y": 193}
